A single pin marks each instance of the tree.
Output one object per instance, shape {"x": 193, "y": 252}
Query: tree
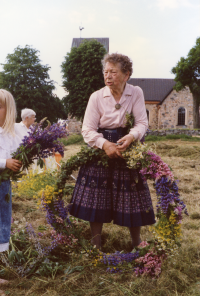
{"x": 82, "y": 75}
{"x": 187, "y": 73}
{"x": 28, "y": 80}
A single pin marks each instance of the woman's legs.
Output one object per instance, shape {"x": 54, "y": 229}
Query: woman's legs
{"x": 135, "y": 235}
{"x": 96, "y": 229}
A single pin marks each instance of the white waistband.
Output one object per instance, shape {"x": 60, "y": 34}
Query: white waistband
{"x": 4, "y": 247}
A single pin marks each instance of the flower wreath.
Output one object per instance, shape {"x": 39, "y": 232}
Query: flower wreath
{"x": 148, "y": 256}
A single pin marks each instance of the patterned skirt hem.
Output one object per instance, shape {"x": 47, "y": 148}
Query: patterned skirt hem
{"x": 121, "y": 219}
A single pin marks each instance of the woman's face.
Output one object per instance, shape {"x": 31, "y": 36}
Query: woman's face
{"x": 114, "y": 78}
{"x": 2, "y": 114}
{"x": 30, "y": 120}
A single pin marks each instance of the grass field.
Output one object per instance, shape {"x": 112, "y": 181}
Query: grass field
{"x": 77, "y": 277}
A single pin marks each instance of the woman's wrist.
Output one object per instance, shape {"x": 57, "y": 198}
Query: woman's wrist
{"x": 131, "y": 137}
{"x": 106, "y": 144}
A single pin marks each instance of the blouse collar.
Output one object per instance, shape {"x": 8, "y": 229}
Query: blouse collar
{"x": 126, "y": 92}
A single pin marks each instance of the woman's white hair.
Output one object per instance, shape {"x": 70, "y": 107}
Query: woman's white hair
{"x": 7, "y": 100}
{"x": 27, "y": 113}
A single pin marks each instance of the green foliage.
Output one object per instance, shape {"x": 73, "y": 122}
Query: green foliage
{"x": 82, "y": 75}
{"x": 86, "y": 155}
{"x": 187, "y": 73}
{"x": 26, "y": 256}
{"x": 174, "y": 137}
{"x": 130, "y": 120}
{"x": 49, "y": 268}
{"x": 187, "y": 70}
{"x": 72, "y": 139}
{"x": 29, "y": 82}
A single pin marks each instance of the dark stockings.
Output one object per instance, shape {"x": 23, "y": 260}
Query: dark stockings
{"x": 135, "y": 236}
{"x": 96, "y": 229}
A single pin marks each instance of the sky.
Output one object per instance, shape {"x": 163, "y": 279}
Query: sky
{"x": 153, "y": 33}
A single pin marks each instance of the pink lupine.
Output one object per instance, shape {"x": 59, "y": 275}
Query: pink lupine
{"x": 143, "y": 244}
{"x": 150, "y": 264}
{"x": 156, "y": 168}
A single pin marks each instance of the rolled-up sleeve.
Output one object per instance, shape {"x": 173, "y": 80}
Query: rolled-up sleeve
{"x": 91, "y": 123}
{"x": 140, "y": 115}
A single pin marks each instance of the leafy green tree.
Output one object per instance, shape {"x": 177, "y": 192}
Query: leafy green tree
{"x": 82, "y": 75}
{"x": 187, "y": 73}
{"x": 28, "y": 80}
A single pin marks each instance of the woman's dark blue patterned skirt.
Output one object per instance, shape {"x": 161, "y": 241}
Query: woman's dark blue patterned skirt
{"x": 115, "y": 193}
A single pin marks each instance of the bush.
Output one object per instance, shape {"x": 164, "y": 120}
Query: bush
{"x": 31, "y": 184}
{"x": 177, "y": 137}
{"x": 152, "y": 138}
{"x": 181, "y": 137}
{"x": 73, "y": 139}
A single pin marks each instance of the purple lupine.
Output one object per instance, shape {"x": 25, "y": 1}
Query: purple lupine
{"x": 61, "y": 209}
{"x": 42, "y": 252}
{"x": 40, "y": 143}
{"x": 116, "y": 259}
{"x": 33, "y": 237}
{"x": 50, "y": 217}
{"x": 167, "y": 191}
{"x": 57, "y": 215}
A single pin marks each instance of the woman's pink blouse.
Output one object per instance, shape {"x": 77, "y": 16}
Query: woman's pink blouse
{"x": 101, "y": 113}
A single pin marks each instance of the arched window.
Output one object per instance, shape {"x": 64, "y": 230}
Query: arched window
{"x": 181, "y": 116}
{"x": 147, "y": 114}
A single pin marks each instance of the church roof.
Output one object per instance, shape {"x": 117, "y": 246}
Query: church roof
{"x": 104, "y": 41}
{"x": 154, "y": 89}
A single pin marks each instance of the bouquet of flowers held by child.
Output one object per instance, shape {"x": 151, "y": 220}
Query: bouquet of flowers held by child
{"x": 39, "y": 144}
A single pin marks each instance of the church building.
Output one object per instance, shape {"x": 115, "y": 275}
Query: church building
{"x": 166, "y": 108}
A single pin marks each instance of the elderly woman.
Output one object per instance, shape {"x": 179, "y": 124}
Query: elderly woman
{"x": 115, "y": 193}
{"x": 28, "y": 118}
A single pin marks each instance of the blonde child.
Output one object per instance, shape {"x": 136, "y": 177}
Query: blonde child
{"x": 9, "y": 142}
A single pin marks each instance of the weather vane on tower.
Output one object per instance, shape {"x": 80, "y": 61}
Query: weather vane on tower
{"x": 80, "y": 28}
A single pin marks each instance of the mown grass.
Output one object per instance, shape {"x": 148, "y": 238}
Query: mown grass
{"x": 172, "y": 148}
{"x": 180, "y": 274}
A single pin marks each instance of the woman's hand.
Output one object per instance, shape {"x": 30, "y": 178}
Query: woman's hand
{"x": 111, "y": 150}
{"x": 13, "y": 164}
{"x": 126, "y": 140}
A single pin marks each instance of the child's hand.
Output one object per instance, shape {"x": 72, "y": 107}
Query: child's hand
{"x": 13, "y": 164}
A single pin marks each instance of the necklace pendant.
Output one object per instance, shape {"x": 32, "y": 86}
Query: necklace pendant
{"x": 117, "y": 106}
